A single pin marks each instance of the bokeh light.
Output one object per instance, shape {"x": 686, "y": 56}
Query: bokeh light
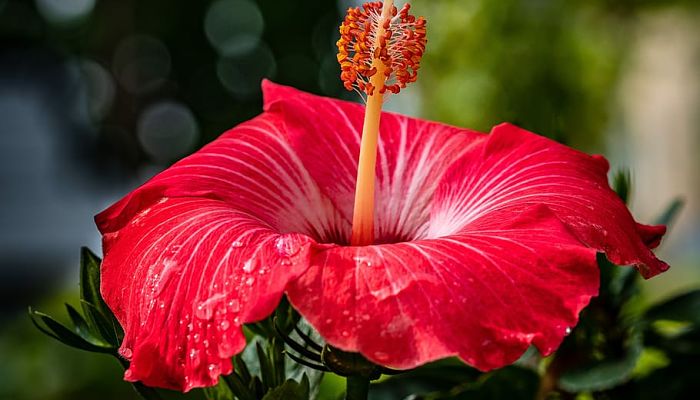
{"x": 167, "y": 130}
{"x": 99, "y": 88}
{"x": 233, "y": 27}
{"x": 241, "y": 75}
{"x": 64, "y": 11}
{"x": 141, "y": 63}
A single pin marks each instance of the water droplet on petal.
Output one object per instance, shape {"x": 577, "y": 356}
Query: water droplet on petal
{"x": 194, "y": 356}
{"x": 224, "y": 349}
{"x": 224, "y": 325}
{"x": 381, "y": 356}
{"x": 234, "y": 305}
{"x": 248, "y": 266}
{"x": 346, "y": 313}
{"x": 345, "y": 333}
{"x": 329, "y": 320}
{"x": 204, "y": 311}
{"x": 250, "y": 281}
{"x": 567, "y": 330}
{"x": 285, "y": 247}
{"x": 366, "y": 317}
{"x": 214, "y": 371}
{"x": 128, "y": 374}
{"x": 237, "y": 244}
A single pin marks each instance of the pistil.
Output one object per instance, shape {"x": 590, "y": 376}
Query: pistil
{"x": 363, "y": 214}
{"x": 379, "y": 51}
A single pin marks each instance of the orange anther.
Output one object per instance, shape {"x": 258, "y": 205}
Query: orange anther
{"x": 395, "y": 40}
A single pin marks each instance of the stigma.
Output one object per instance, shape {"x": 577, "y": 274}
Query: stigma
{"x": 376, "y": 39}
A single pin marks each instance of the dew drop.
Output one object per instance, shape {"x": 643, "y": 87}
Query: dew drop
{"x": 366, "y": 317}
{"x": 362, "y": 262}
{"x": 248, "y": 266}
{"x": 237, "y": 321}
{"x": 346, "y": 313}
{"x": 345, "y": 334}
{"x": 224, "y": 325}
{"x": 196, "y": 337}
{"x": 329, "y": 320}
{"x": 567, "y": 330}
{"x": 285, "y": 247}
{"x": 194, "y": 356}
{"x": 234, "y": 305}
{"x": 237, "y": 244}
{"x": 204, "y": 311}
{"x": 250, "y": 281}
{"x": 213, "y": 371}
{"x": 205, "y": 343}
{"x": 224, "y": 350}
{"x": 128, "y": 374}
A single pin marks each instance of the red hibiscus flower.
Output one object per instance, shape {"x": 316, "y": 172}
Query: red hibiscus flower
{"x": 483, "y": 243}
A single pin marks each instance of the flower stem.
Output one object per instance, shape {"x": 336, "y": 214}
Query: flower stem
{"x": 363, "y": 214}
{"x": 357, "y": 387}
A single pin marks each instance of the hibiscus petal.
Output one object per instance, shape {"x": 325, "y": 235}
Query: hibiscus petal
{"x": 250, "y": 183}
{"x": 253, "y": 167}
{"x": 413, "y": 155}
{"x": 483, "y": 295}
{"x": 183, "y": 276}
{"x": 514, "y": 169}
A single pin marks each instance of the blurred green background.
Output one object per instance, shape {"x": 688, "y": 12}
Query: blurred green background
{"x": 96, "y": 96}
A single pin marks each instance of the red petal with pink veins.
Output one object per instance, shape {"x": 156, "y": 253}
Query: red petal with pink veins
{"x": 183, "y": 277}
{"x": 516, "y": 169}
{"x": 174, "y": 242}
{"x": 484, "y": 295}
{"x": 413, "y": 155}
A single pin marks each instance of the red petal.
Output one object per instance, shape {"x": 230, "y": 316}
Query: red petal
{"x": 484, "y": 295}
{"x": 253, "y": 167}
{"x": 516, "y": 169}
{"x": 413, "y": 155}
{"x": 249, "y": 182}
{"x": 183, "y": 276}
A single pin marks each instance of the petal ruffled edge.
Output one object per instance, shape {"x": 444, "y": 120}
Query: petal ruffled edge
{"x": 484, "y": 296}
{"x": 182, "y": 278}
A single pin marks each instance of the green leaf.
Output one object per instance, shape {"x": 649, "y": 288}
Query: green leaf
{"x": 90, "y": 277}
{"x": 290, "y": 390}
{"x": 668, "y": 216}
{"x": 685, "y": 307}
{"x": 83, "y": 330}
{"x": 238, "y": 387}
{"x": 606, "y": 373}
{"x": 438, "y": 376}
{"x": 267, "y": 372}
{"x": 512, "y": 383}
{"x": 107, "y": 327}
{"x": 219, "y": 392}
{"x": 64, "y": 334}
{"x": 622, "y": 184}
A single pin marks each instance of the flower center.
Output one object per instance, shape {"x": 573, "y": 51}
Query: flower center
{"x": 379, "y": 50}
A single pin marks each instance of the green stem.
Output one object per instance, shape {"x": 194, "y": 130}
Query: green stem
{"x": 357, "y": 388}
